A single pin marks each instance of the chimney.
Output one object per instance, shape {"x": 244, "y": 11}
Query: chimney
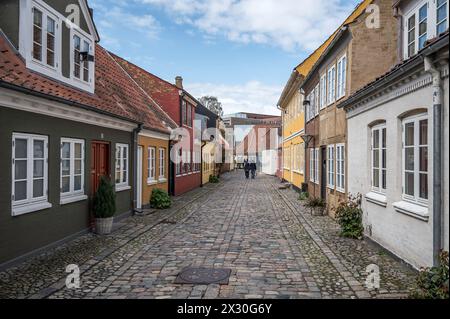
{"x": 179, "y": 82}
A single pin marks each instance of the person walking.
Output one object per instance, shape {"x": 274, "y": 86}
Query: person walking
{"x": 253, "y": 169}
{"x": 247, "y": 169}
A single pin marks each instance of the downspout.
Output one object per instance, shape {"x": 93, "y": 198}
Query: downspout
{"x": 437, "y": 159}
{"x": 136, "y": 132}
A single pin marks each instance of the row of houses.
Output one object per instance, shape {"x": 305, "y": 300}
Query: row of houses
{"x": 72, "y": 112}
{"x": 367, "y": 113}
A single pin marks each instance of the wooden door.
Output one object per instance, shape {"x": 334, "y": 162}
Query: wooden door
{"x": 99, "y": 164}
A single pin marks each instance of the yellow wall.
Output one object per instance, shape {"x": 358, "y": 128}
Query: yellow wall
{"x": 147, "y": 187}
{"x": 209, "y": 164}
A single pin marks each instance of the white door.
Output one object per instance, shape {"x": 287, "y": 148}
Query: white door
{"x": 139, "y": 177}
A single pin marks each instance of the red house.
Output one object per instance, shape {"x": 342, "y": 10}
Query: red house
{"x": 185, "y": 175}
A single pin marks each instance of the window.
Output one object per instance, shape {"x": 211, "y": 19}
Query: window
{"x": 331, "y": 166}
{"x": 76, "y": 57}
{"x": 179, "y": 161}
{"x": 379, "y": 158}
{"x": 151, "y": 176}
{"x": 121, "y": 166}
{"x": 287, "y": 158}
{"x": 340, "y": 167}
{"x": 29, "y": 171}
{"x": 44, "y": 37}
{"x": 316, "y": 100}
{"x": 186, "y": 113}
{"x": 342, "y": 76}
{"x": 331, "y": 89}
{"x": 162, "y": 163}
{"x": 81, "y": 48}
{"x": 299, "y": 158}
{"x": 316, "y": 166}
{"x": 72, "y": 167}
{"x": 441, "y": 16}
{"x": 415, "y": 158}
{"x": 312, "y": 163}
{"x": 323, "y": 91}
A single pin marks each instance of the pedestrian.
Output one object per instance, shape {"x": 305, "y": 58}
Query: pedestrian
{"x": 247, "y": 169}
{"x": 253, "y": 169}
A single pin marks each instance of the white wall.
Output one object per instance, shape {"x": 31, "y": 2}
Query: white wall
{"x": 406, "y": 236}
{"x": 269, "y": 162}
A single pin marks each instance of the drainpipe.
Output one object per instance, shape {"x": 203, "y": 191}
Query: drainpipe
{"x": 437, "y": 159}
{"x": 283, "y": 112}
{"x": 136, "y": 132}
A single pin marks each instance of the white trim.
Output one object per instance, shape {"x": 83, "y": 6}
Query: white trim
{"x": 26, "y": 209}
{"x": 341, "y": 77}
{"x": 151, "y": 165}
{"x": 380, "y": 149}
{"x": 330, "y": 168}
{"x": 74, "y": 199}
{"x": 79, "y": 82}
{"x": 331, "y": 91}
{"x": 323, "y": 91}
{"x": 377, "y": 199}
{"x": 122, "y": 149}
{"x": 340, "y": 150}
{"x": 162, "y": 163}
{"x": 71, "y": 159}
{"x": 292, "y": 136}
{"x": 89, "y": 20}
{"x": 23, "y": 102}
{"x": 413, "y": 210}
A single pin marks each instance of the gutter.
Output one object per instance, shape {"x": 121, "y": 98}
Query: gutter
{"x": 21, "y": 89}
{"x": 136, "y": 132}
{"x": 437, "y": 160}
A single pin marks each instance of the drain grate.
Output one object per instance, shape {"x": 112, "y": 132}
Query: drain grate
{"x": 204, "y": 276}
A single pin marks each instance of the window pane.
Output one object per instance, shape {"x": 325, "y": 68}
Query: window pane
{"x": 65, "y": 167}
{"x": 409, "y": 159}
{"x": 409, "y": 134}
{"x": 65, "y": 150}
{"x": 77, "y": 185}
{"x": 376, "y": 158}
{"x": 376, "y": 178}
{"x": 37, "y": 34}
{"x": 38, "y": 188}
{"x": 423, "y": 125}
{"x": 409, "y": 184}
{"x": 20, "y": 190}
{"x": 20, "y": 169}
{"x": 37, "y": 17}
{"x": 383, "y": 178}
{"x": 38, "y": 170}
{"x": 38, "y": 149}
{"x": 78, "y": 152}
{"x": 424, "y": 159}
{"x": 20, "y": 147}
{"x": 77, "y": 167}
{"x": 51, "y": 42}
{"x": 65, "y": 184}
{"x": 383, "y": 159}
{"x": 423, "y": 12}
{"x": 424, "y": 186}
{"x": 442, "y": 27}
{"x": 376, "y": 139}
{"x": 384, "y": 138}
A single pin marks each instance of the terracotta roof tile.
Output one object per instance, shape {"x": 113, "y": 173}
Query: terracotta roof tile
{"x": 114, "y": 93}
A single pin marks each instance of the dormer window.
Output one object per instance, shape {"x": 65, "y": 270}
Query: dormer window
{"x": 44, "y": 38}
{"x": 82, "y": 50}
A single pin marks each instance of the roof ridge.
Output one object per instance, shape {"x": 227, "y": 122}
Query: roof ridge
{"x": 112, "y": 55}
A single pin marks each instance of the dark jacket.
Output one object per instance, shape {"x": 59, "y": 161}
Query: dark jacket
{"x": 253, "y": 166}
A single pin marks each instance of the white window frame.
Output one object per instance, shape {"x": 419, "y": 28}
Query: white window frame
{"x": 312, "y": 163}
{"x": 162, "y": 163}
{"x": 88, "y": 85}
{"x": 380, "y": 149}
{"x": 416, "y": 120}
{"x": 341, "y": 76}
{"x": 72, "y": 193}
{"x": 446, "y": 17}
{"x": 340, "y": 168}
{"x": 331, "y": 85}
{"x": 316, "y": 165}
{"x": 29, "y": 204}
{"x": 122, "y": 149}
{"x": 151, "y": 165}
{"x": 317, "y": 99}
{"x": 323, "y": 91}
{"x": 330, "y": 166}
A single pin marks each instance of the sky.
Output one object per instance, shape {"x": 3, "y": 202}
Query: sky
{"x": 242, "y": 51}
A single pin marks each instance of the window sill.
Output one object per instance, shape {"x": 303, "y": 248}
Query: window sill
{"x": 377, "y": 199}
{"x": 340, "y": 190}
{"x": 21, "y": 210}
{"x": 122, "y": 188}
{"x": 152, "y": 182}
{"x": 298, "y": 172}
{"x": 162, "y": 180}
{"x": 413, "y": 210}
{"x": 72, "y": 199}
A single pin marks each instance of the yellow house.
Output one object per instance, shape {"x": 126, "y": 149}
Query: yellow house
{"x": 293, "y": 114}
{"x": 209, "y": 162}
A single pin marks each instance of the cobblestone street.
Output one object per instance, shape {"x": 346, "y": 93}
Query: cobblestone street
{"x": 273, "y": 246}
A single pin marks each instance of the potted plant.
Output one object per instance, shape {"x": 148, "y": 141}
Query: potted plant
{"x": 104, "y": 207}
{"x": 317, "y": 206}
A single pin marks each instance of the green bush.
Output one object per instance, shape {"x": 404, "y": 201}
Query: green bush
{"x": 160, "y": 199}
{"x": 432, "y": 283}
{"x": 213, "y": 179}
{"x": 316, "y": 202}
{"x": 349, "y": 216}
{"x": 104, "y": 203}
{"x": 303, "y": 196}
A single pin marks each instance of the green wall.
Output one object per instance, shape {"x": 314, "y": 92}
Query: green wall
{"x": 22, "y": 234}
{"x": 9, "y": 20}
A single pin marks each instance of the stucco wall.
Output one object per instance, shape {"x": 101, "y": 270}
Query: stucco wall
{"x": 408, "y": 237}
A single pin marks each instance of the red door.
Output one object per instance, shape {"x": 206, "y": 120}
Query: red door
{"x": 99, "y": 164}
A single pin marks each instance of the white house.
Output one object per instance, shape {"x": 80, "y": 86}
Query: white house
{"x": 398, "y": 140}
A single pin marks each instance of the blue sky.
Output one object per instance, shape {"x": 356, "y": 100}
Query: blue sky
{"x": 241, "y": 51}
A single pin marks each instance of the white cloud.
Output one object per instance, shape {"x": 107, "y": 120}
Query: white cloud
{"x": 252, "y": 96}
{"x": 289, "y": 24}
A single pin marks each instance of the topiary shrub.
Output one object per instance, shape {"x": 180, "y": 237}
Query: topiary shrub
{"x": 104, "y": 203}
{"x": 213, "y": 179}
{"x": 160, "y": 199}
{"x": 432, "y": 283}
{"x": 349, "y": 216}
{"x": 303, "y": 196}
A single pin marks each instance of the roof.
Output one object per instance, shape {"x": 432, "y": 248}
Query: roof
{"x": 166, "y": 94}
{"x": 114, "y": 95}
{"x": 399, "y": 69}
{"x": 305, "y": 67}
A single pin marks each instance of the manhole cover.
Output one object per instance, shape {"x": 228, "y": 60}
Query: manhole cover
{"x": 204, "y": 276}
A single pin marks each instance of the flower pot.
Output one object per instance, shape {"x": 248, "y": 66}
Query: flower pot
{"x": 103, "y": 226}
{"x": 318, "y": 211}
